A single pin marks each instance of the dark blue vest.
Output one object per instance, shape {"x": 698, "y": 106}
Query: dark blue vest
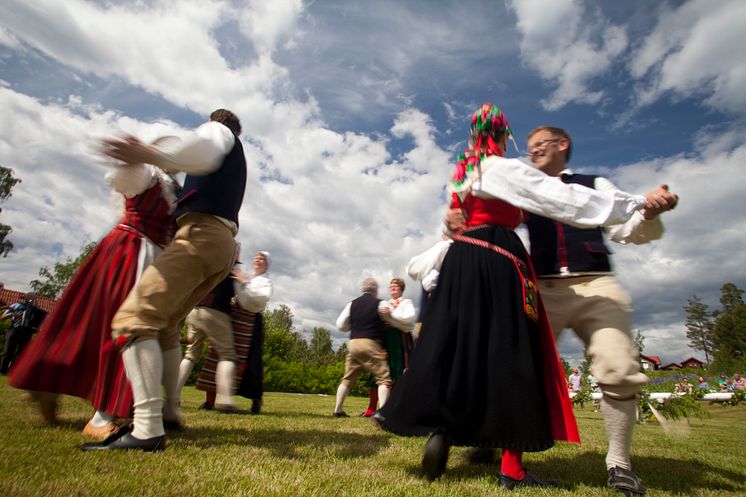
{"x": 219, "y": 193}
{"x": 364, "y": 319}
{"x": 555, "y": 245}
{"x": 220, "y": 297}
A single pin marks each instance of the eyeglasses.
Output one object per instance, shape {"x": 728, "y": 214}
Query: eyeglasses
{"x": 543, "y": 143}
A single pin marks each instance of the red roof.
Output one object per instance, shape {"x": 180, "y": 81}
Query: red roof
{"x": 8, "y": 297}
{"x": 652, "y": 358}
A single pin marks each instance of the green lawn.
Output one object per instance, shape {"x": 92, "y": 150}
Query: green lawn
{"x": 295, "y": 448}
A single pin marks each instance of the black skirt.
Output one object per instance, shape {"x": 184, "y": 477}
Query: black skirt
{"x": 477, "y": 370}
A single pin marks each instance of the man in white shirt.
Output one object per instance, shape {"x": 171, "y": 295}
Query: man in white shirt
{"x": 199, "y": 257}
{"x": 580, "y": 291}
{"x": 366, "y": 351}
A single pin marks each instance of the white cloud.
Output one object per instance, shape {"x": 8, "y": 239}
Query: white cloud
{"x": 569, "y": 46}
{"x": 268, "y": 24}
{"x": 695, "y": 50}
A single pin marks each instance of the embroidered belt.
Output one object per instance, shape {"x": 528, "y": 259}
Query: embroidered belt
{"x": 528, "y": 285}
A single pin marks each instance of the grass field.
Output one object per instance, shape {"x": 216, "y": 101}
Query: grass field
{"x": 295, "y": 448}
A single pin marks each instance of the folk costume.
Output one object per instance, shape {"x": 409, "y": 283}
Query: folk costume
{"x": 398, "y": 345}
{"x": 199, "y": 257}
{"x": 486, "y": 371}
{"x": 74, "y": 353}
{"x": 246, "y": 307}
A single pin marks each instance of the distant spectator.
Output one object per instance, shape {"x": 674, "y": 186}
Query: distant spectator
{"x": 574, "y": 381}
{"x": 26, "y": 319}
{"x": 723, "y": 381}
{"x": 739, "y": 383}
{"x": 684, "y": 386}
{"x": 702, "y": 384}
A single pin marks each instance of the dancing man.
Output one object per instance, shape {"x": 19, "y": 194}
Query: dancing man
{"x": 199, "y": 257}
{"x": 366, "y": 351}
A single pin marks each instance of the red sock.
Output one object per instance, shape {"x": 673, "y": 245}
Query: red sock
{"x": 373, "y": 403}
{"x": 210, "y": 398}
{"x": 512, "y": 464}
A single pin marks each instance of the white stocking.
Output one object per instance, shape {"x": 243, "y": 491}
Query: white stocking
{"x": 383, "y": 395}
{"x": 619, "y": 418}
{"x": 144, "y": 365}
{"x": 224, "y": 373}
{"x": 171, "y": 359}
{"x": 341, "y": 396}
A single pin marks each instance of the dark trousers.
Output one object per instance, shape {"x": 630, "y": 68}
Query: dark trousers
{"x": 15, "y": 341}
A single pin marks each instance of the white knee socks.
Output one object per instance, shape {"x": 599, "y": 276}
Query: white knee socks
{"x": 341, "y": 396}
{"x": 143, "y": 362}
{"x": 101, "y": 418}
{"x": 383, "y": 395}
{"x": 171, "y": 360}
{"x": 185, "y": 369}
{"x": 619, "y": 418}
{"x": 224, "y": 373}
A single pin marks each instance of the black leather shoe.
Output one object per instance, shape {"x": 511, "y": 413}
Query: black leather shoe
{"x": 123, "y": 440}
{"x": 528, "y": 480}
{"x": 340, "y": 414}
{"x": 625, "y": 482}
{"x": 256, "y": 406}
{"x": 228, "y": 409}
{"x": 435, "y": 456}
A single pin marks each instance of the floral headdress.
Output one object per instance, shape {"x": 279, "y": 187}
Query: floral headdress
{"x": 487, "y": 123}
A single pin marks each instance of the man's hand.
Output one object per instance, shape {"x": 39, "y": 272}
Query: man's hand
{"x": 129, "y": 150}
{"x": 239, "y": 275}
{"x": 385, "y": 312}
{"x": 455, "y": 219}
{"x": 659, "y": 201}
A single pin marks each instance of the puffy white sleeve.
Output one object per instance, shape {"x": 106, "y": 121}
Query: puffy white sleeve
{"x": 131, "y": 179}
{"x": 528, "y": 188}
{"x": 637, "y": 229}
{"x": 254, "y": 294}
{"x": 200, "y": 152}
{"x": 402, "y": 317}
{"x": 422, "y": 265}
{"x": 343, "y": 321}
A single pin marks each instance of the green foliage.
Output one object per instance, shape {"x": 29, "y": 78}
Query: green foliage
{"x": 699, "y": 326}
{"x": 674, "y": 407}
{"x": 54, "y": 281}
{"x": 293, "y": 365}
{"x": 7, "y": 182}
{"x": 729, "y": 331}
{"x": 566, "y": 367}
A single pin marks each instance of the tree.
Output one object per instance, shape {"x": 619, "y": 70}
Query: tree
{"x": 729, "y": 330}
{"x": 699, "y": 326}
{"x": 55, "y": 280}
{"x": 282, "y": 340}
{"x": 320, "y": 349}
{"x": 7, "y": 182}
{"x": 566, "y": 366}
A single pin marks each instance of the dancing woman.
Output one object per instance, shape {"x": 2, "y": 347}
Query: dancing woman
{"x": 73, "y": 353}
{"x": 486, "y": 372}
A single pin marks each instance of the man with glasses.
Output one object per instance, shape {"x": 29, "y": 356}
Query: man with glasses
{"x": 580, "y": 292}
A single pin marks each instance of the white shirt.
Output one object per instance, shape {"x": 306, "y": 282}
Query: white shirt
{"x": 343, "y": 321}
{"x": 255, "y": 293}
{"x": 198, "y": 153}
{"x": 525, "y": 187}
{"x": 402, "y": 316}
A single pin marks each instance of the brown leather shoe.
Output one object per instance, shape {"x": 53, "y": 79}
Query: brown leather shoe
{"x": 99, "y": 432}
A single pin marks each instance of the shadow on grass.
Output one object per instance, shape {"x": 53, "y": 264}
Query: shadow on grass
{"x": 660, "y": 473}
{"x": 300, "y": 444}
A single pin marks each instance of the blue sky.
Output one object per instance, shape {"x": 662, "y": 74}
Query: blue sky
{"x": 354, "y": 111}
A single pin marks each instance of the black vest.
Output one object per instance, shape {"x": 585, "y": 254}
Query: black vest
{"x": 220, "y": 297}
{"x": 555, "y": 245}
{"x": 364, "y": 319}
{"x": 219, "y": 193}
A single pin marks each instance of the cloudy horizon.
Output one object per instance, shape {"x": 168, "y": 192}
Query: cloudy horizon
{"x": 353, "y": 113}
